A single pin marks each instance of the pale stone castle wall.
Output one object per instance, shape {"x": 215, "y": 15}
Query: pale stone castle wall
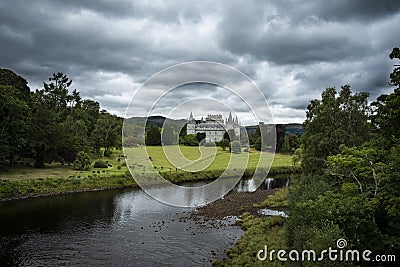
{"x": 214, "y": 126}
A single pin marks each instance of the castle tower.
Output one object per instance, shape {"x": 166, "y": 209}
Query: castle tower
{"x": 191, "y": 125}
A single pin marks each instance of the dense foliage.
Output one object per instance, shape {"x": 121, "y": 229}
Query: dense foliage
{"x": 52, "y": 123}
{"x": 350, "y": 186}
{"x": 153, "y": 135}
{"x": 82, "y": 161}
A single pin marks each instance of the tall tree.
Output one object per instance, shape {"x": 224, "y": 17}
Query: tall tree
{"x": 280, "y": 136}
{"x": 168, "y": 135}
{"x": 286, "y": 148}
{"x": 107, "y": 132}
{"x": 15, "y": 116}
{"x": 200, "y": 136}
{"x": 153, "y": 136}
{"x": 14, "y": 119}
{"x": 333, "y": 121}
{"x": 386, "y": 114}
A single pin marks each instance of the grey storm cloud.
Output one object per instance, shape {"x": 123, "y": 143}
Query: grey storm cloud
{"x": 291, "y": 49}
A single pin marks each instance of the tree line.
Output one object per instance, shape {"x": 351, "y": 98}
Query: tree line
{"x": 53, "y": 123}
{"x": 350, "y": 186}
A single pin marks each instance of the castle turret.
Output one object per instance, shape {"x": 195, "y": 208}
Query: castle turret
{"x": 230, "y": 117}
{"x": 191, "y": 125}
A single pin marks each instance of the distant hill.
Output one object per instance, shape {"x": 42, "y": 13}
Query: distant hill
{"x": 157, "y": 121}
{"x": 291, "y": 128}
{"x": 251, "y": 129}
{"x": 294, "y": 128}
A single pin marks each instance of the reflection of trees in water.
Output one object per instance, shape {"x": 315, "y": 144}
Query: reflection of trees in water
{"x": 57, "y": 213}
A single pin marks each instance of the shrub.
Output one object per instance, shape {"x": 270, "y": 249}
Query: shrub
{"x": 82, "y": 161}
{"x": 190, "y": 140}
{"x": 119, "y": 167}
{"x": 101, "y": 164}
{"x": 236, "y": 147}
{"x": 224, "y": 144}
{"x": 107, "y": 153}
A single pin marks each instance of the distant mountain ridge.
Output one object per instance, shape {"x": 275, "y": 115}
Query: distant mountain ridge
{"x": 290, "y": 128}
{"x": 156, "y": 121}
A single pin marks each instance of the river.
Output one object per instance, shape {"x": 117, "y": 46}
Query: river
{"x": 114, "y": 227}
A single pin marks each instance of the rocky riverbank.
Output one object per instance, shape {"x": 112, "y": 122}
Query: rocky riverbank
{"x": 233, "y": 204}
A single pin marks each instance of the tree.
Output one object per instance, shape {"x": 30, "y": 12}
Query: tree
{"x": 82, "y": 161}
{"x": 280, "y": 136}
{"x": 190, "y": 140}
{"x": 14, "y": 119}
{"x": 168, "y": 135}
{"x": 200, "y": 136}
{"x": 90, "y": 113}
{"x": 297, "y": 156}
{"x": 153, "y": 136}
{"x": 227, "y": 136}
{"x": 386, "y": 115}
{"x": 331, "y": 122}
{"x": 286, "y": 148}
{"x": 294, "y": 141}
{"x": 224, "y": 144}
{"x": 57, "y": 93}
{"x": 236, "y": 147}
{"x": 15, "y": 116}
{"x": 107, "y": 132}
{"x": 395, "y": 75}
{"x": 258, "y": 144}
{"x": 183, "y": 131}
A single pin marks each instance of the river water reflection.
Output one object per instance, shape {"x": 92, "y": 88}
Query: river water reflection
{"x": 116, "y": 227}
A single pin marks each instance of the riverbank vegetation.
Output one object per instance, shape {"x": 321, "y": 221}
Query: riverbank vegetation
{"x": 260, "y": 231}
{"x": 350, "y": 186}
{"x": 24, "y": 180}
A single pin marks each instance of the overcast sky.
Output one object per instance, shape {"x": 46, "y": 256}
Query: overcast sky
{"x": 292, "y": 50}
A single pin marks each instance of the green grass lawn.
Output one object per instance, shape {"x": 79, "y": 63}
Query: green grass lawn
{"x": 23, "y": 180}
{"x": 219, "y": 162}
{"x": 205, "y": 158}
{"x": 57, "y": 170}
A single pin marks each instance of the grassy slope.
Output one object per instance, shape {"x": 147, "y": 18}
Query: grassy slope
{"x": 221, "y": 160}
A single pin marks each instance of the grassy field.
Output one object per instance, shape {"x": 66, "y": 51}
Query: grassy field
{"x": 206, "y": 163}
{"x": 159, "y": 161}
{"x": 206, "y": 155}
{"x": 57, "y": 170}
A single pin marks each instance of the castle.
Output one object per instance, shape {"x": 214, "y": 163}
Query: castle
{"x": 214, "y": 126}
